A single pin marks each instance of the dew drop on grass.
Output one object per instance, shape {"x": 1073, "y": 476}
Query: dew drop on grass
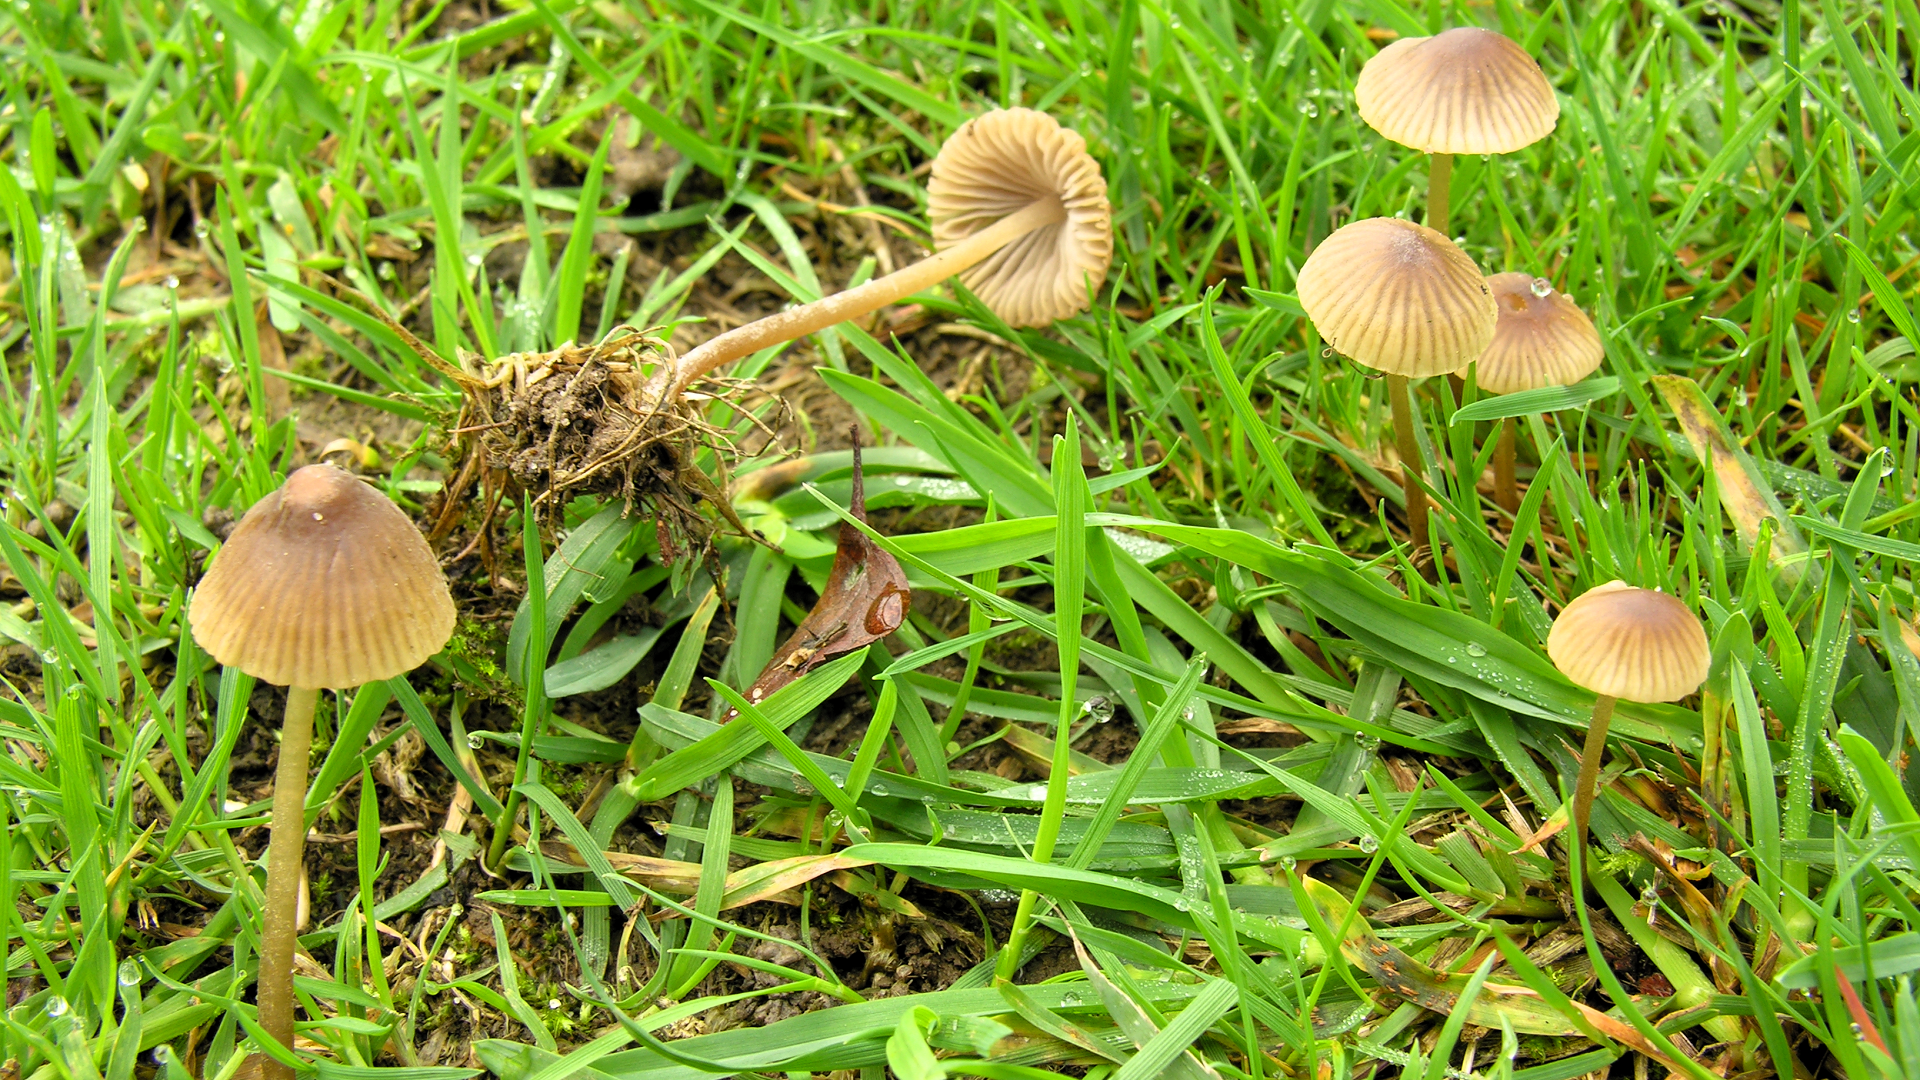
{"x": 1069, "y": 1000}
{"x": 1474, "y": 648}
{"x": 1288, "y": 862}
{"x": 474, "y": 741}
{"x": 1853, "y": 317}
{"x": 878, "y": 789}
{"x": 129, "y": 974}
{"x": 1369, "y": 844}
{"x": 172, "y": 282}
{"x": 56, "y": 1006}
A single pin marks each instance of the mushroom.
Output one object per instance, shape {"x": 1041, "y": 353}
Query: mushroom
{"x": 1463, "y": 91}
{"x": 1542, "y": 339}
{"x": 1019, "y": 212}
{"x": 1402, "y": 299}
{"x": 323, "y": 584}
{"x": 1624, "y": 643}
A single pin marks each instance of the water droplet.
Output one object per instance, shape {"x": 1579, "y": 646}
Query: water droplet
{"x": 1853, "y": 317}
{"x": 1886, "y": 466}
{"x": 1309, "y": 109}
{"x": 1541, "y": 287}
{"x": 1181, "y": 904}
{"x": 1288, "y": 862}
{"x": 56, "y": 1006}
{"x": 1650, "y": 896}
{"x": 878, "y": 789}
{"x": 474, "y": 741}
{"x": 49, "y": 657}
{"x": 1369, "y": 844}
{"x": 1453, "y": 659}
{"x": 129, "y": 974}
{"x": 1069, "y": 1000}
{"x": 203, "y": 230}
{"x": 172, "y": 282}
{"x": 1474, "y": 648}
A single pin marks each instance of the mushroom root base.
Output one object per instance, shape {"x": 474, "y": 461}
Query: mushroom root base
{"x": 601, "y": 420}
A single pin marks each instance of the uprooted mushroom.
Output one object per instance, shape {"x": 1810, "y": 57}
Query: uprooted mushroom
{"x": 1019, "y": 212}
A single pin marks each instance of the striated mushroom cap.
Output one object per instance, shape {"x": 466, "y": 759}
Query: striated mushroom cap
{"x": 324, "y": 583}
{"x": 1633, "y": 644}
{"x": 1001, "y": 162}
{"x": 1464, "y": 91}
{"x": 1542, "y": 338}
{"x": 1397, "y": 297}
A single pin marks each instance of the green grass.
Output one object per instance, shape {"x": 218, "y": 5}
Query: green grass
{"x": 1729, "y": 193}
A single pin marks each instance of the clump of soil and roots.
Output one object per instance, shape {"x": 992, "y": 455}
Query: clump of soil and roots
{"x": 602, "y": 420}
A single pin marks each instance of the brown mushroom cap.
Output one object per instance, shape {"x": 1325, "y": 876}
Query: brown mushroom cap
{"x": 324, "y": 583}
{"x": 1001, "y": 162}
{"x": 1397, "y": 297}
{"x": 1632, "y": 644}
{"x": 1464, "y": 91}
{"x": 1542, "y": 338}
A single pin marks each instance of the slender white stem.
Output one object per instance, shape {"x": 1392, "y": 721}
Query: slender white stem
{"x": 875, "y": 294}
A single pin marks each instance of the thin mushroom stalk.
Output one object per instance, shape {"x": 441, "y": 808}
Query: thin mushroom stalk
{"x": 1581, "y": 813}
{"x": 286, "y": 848}
{"x": 1439, "y": 183}
{"x": 865, "y": 299}
{"x": 1506, "y": 490}
{"x": 1412, "y": 462}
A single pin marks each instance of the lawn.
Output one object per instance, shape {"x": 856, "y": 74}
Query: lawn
{"x": 1310, "y": 810}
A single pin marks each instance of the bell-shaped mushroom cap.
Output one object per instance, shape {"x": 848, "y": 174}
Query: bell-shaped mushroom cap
{"x": 1397, "y": 297}
{"x": 1465, "y": 91}
{"x": 1542, "y": 338}
{"x": 1004, "y": 161}
{"x": 1632, "y": 644}
{"x": 324, "y": 583}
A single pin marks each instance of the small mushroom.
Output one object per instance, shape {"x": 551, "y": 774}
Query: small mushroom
{"x": 1542, "y": 339}
{"x": 1463, "y": 91}
{"x": 323, "y": 584}
{"x": 1402, "y": 299}
{"x": 1019, "y": 212}
{"x": 1624, "y": 643}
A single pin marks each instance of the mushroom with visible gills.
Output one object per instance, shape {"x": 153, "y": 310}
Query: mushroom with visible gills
{"x": 1463, "y": 91}
{"x": 324, "y": 584}
{"x": 1402, "y": 299}
{"x": 1019, "y": 212}
{"x": 1542, "y": 339}
{"x": 1623, "y": 643}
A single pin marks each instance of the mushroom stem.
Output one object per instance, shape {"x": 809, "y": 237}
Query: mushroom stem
{"x": 878, "y": 293}
{"x": 1439, "y": 177}
{"x": 1411, "y": 461}
{"x": 1506, "y": 492}
{"x": 286, "y": 844}
{"x": 1596, "y": 748}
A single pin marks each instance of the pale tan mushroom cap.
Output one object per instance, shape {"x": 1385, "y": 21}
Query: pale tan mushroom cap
{"x": 1464, "y": 91}
{"x": 1397, "y": 297}
{"x": 324, "y": 583}
{"x": 1542, "y": 338}
{"x": 1001, "y": 162}
{"x": 1632, "y": 644}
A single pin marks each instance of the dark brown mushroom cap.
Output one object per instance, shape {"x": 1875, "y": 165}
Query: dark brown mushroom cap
{"x": 1542, "y": 338}
{"x": 1464, "y": 91}
{"x": 1633, "y": 644}
{"x": 1001, "y": 162}
{"x": 324, "y": 583}
{"x": 1397, "y": 297}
